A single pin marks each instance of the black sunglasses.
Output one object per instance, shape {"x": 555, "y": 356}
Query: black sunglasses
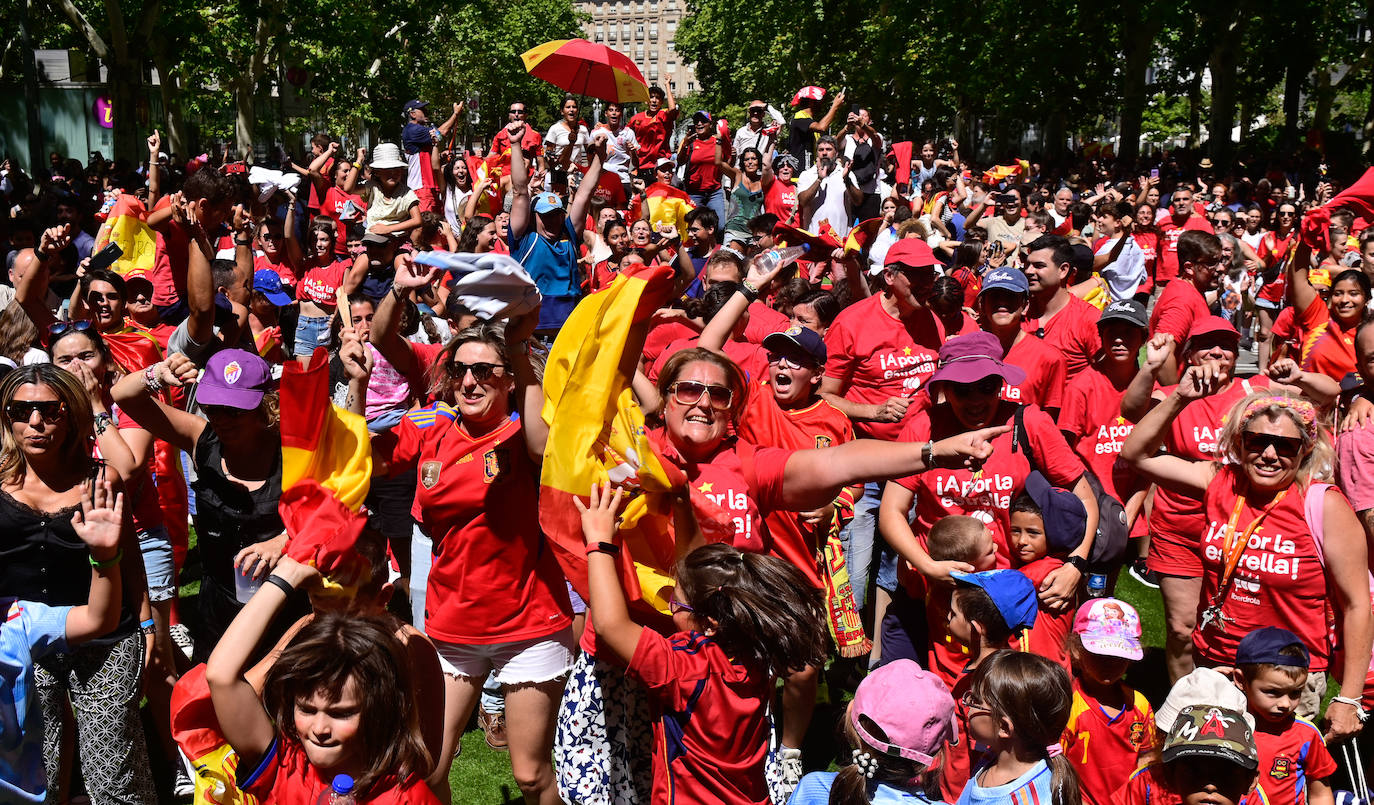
{"x": 481, "y": 372}
{"x": 988, "y": 385}
{"x": 60, "y": 327}
{"x": 22, "y": 410}
{"x": 517, "y": 111}
{"x": 756, "y": 110}
{"x": 1257, "y": 443}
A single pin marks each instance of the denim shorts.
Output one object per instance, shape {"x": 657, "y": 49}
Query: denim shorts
{"x": 311, "y": 332}
{"x": 156, "y": 548}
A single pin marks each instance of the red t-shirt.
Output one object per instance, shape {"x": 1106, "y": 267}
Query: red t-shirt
{"x": 1179, "y": 306}
{"x": 1149, "y": 247}
{"x": 500, "y": 147}
{"x": 281, "y": 268}
{"x": 1045, "y": 372}
{"x": 710, "y": 720}
{"x": 1274, "y": 249}
{"x": 1072, "y": 331}
{"x": 780, "y": 199}
{"x": 285, "y": 776}
{"x": 988, "y": 493}
{"x": 876, "y": 356}
{"x": 1169, "y": 233}
{"x": 763, "y": 322}
{"x": 170, "y": 260}
{"x": 1092, "y": 412}
{"x": 1290, "y": 754}
{"x": 1327, "y": 347}
{"x": 1047, "y": 637}
{"x": 1103, "y": 749}
{"x": 1150, "y": 786}
{"x": 320, "y": 284}
{"x": 651, "y": 131}
{"x": 1280, "y": 580}
{"x": 334, "y": 202}
{"x": 746, "y": 483}
{"x": 660, "y": 337}
{"x": 750, "y": 357}
{"x": 1286, "y": 332}
{"x": 766, "y": 424}
{"x": 702, "y": 174}
{"x": 493, "y": 579}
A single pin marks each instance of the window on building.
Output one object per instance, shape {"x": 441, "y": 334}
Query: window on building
{"x": 690, "y": 86}
{"x": 672, "y": 25}
{"x": 653, "y": 32}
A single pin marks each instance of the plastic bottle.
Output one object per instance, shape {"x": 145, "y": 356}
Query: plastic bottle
{"x": 780, "y": 258}
{"x": 1097, "y": 585}
{"x": 340, "y": 792}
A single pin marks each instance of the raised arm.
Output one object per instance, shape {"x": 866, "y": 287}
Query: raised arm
{"x": 1139, "y": 398}
{"x": 529, "y": 393}
{"x": 717, "y": 331}
{"x": 1141, "y": 449}
{"x": 135, "y": 395}
{"x": 823, "y": 125}
{"x": 31, "y": 287}
{"x": 316, "y": 170}
{"x": 611, "y": 619}
{"x": 354, "y": 171}
{"x": 1317, "y": 387}
{"x": 577, "y": 210}
{"x": 154, "y": 168}
{"x": 100, "y": 525}
{"x": 1300, "y": 290}
{"x": 447, "y": 125}
{"x": 520, "y": 220}
{"x": 386, "y": 322}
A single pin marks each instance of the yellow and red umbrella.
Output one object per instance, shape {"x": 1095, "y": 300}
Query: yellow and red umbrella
{"x": 587, "y": 68}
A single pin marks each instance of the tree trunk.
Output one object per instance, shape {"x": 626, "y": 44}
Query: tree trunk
{"x": 1195, "y": 110}
{"x": 1222, "y": 64}
{"x": 243, "y": 118}
{"x": 1293, "y": 80}
{"x": 1139, "y": 41}
{"x": 126, "y": 82}
{"x": 1321, "y": 115}
{"x": 174, "y": 140}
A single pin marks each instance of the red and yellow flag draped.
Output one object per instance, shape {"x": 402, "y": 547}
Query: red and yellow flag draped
{"x": 326, "y": 468}
{"x": 998, "y": 173}
{"x": 597, "y": 433}
{"x": 668, "y": 205}
{"x": 127, "y": 225}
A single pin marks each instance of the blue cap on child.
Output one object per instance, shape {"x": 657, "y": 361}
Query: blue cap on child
{"x": 1264, "y": 646}
{"x": 1063, "y": 513}
{"x": 1011, "y": 592}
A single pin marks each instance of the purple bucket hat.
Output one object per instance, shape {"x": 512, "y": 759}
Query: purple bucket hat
{"x": 972, "y": 357}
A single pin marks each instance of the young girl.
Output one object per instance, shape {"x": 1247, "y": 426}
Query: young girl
{"x": 339, "y": 700}
{"x": 898, "y": 723}
{"x": 742, "y": 619}
{"x": 1018, "y": 706}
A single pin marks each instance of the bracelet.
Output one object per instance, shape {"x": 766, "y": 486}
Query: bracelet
{"x": 238, "y": 242}
{"x": 358, "y": 165}
{"x": 928, "y": 455}
{"x": 151, "y": 380}
{"x": 280, "y": 583}
{"x": 107, "y": 563}
{"x": 1355, "y": 703}
{"x": 398, "y": 292}
{"x": 102, "y": 423}
{"x": 608, "y": 548}
{"x": 750, "y": 292}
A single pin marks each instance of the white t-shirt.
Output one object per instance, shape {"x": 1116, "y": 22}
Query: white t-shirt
{"x": 620, "y": 149}
{"x": 558, "y": 137}
{"x": 1125, "y": 275}
{"x": 829, "y": 202}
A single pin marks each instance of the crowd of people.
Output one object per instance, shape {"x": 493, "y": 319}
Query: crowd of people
{"x": 927, "y": 414}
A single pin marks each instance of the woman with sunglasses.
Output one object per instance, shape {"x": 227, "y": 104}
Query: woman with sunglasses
{"x": 1273, "y": 254}
{"x": 966, "y": 388}
{"x": 1272, "y": 533}
{"x": 46, "y": 472}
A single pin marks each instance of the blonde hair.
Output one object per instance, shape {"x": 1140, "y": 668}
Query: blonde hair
{"x": 1319, "y": 457}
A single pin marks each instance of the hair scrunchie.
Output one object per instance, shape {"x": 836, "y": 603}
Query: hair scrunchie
{"x": 868, "y": 765}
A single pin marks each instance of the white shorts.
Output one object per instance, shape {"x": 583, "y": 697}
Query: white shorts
{"x": 521, "y": 662}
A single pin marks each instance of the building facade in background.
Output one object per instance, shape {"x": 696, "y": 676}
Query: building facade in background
{"x": 643, "y": 30}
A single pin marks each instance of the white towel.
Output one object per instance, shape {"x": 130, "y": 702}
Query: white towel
{"x": 494, "y": 286}
{"x": 269, "y": 181}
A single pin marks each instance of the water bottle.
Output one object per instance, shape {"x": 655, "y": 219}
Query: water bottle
{"x": 339, "y": 792}
{"x": 780, "y": 258}
{"x": 1097, "y": 585}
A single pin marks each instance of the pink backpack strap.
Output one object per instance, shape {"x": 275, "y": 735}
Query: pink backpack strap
{"x": 1314, "y": 509}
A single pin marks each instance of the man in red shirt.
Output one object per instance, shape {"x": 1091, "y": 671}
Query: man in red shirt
{"x": 499, "y": 156}
{"x": 1064, "y": 321}
{"x": 652, "y": 128}
{"x": 1002, "y": 305}
{"x": 1182, "y": 217}
{"x": 1184, "y": 302}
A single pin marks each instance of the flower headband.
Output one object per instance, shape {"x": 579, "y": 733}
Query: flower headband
{"x": 1304, "y": 409}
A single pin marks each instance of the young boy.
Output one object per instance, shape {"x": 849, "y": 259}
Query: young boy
{"x": 986, "y": 611}
{"x": 1208, "y": 757}
{"x": 1294, "y": 764}
{"x": 1046, "y": 522}
{"x": 32, "y": 630}
{"x": 1110, "y": 725}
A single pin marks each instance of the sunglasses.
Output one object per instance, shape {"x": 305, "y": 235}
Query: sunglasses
{"x": 756, "y": 110}
{"x": 987, "y": 386}
{"x": 1285, "y": 214}
{"x": 481, "y": 372}
{"x": 1257, "y": 443}
{"x": 48, "y": 410}
{"x": 517, "y": 111}
{"x": 787, "y": 362}
{"x": 690, "y": 392}
{"x": 61, "y": 327}
{"x": 675, "y": 606}
{"x": 225, "y": 411}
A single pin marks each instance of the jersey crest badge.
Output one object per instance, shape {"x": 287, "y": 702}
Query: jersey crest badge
{"x": 495, "y": 465}
{"x": 429, "y": 474}
{"x": 823, "y": 442}
{"x": 1282, "y": 768}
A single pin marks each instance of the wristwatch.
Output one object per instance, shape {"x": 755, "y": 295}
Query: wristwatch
{"x": 1078, "y": 562}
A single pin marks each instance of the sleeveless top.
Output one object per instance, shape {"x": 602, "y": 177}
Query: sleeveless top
{"x": 746, "y": 205}
{"x": 228, "y": 517}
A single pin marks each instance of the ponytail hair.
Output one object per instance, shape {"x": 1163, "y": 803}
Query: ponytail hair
{"x": 767, "y": 614}
{"x": 852, "y": 784}
{"x": 1033, "y": 694}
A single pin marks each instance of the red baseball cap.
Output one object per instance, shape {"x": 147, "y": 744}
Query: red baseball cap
{"x": 1211, "y": 324}
{"x": 910, "y": 252}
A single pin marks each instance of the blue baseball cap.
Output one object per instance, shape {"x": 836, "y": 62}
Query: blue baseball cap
{"x": 267, "y": 283}
{"x": 1063, "y": 513}
{"x": 806, "y": 339}
{"x": 416, "y": 104}
{"x": 1005, "y": 279}
{"x": 1264, "y": 645}
{"x": 547, "y": 202}
{"x": 1011, "y": 592}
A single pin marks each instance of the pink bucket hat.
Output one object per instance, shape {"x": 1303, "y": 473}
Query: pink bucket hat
{"x": 911, "y": 707}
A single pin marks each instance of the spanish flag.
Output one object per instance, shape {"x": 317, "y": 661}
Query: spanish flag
{"x": 901, "y": 154}
{"x": 127, "y": 225}
{"x": 326, "y": 469}
{"x": 1000, "y": 173}
{"x": 196, "y": 730}
{"x": 597, "y": 434}
{"x": 134, "y": 350}
{"x": 668, "y": 205}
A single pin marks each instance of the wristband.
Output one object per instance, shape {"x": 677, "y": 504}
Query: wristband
{"x": 750, "y": 292}
{"x": 608, "y": 548}
{"x": 150, "y": 379}
{"x": 1355, "y": 703}
{"x": 280, "y": 583}
{"x": 928, "y": 455}
{"x": 108, "y": 563}
{"x": 1079, "y": 563}
{"x": 358, "y": 165}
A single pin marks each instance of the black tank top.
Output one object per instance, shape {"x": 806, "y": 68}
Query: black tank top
{"x": 228, "y": 517}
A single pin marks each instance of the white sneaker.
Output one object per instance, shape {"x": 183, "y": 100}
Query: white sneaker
{"x": 184, "y": 783}
{"x": 181, "y": 637}
{"x": 792, "y": 770}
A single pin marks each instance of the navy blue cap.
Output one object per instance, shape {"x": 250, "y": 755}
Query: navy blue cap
{"x": 1006, "y": 279}
{"x": 1063, "y": 513}
{"x": 1264, "y": 645}
{"x": 416, "y": 105}
{"x": 804, "y": 337}
{"x": 1011, "y": 592}
{"x": 701, "y": 114}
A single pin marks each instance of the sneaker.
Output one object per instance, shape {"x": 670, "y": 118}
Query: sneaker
{"x": 181, "y": 636}
{"x": 1144, "y": 575}
{"x": 183, "y": 785}
{"x": 494, "y": 728}
{"x": 792, "y": 771}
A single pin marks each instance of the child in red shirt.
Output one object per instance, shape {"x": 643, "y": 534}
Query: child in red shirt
{"x": 1046, "y": 521}
{"x": 954, "y": 538}
{"x": 1208, "y": 756}
{"x": 743, "y": 618}
{"x": 1110, "y": 726}
{"x": 1294, "y": 764}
